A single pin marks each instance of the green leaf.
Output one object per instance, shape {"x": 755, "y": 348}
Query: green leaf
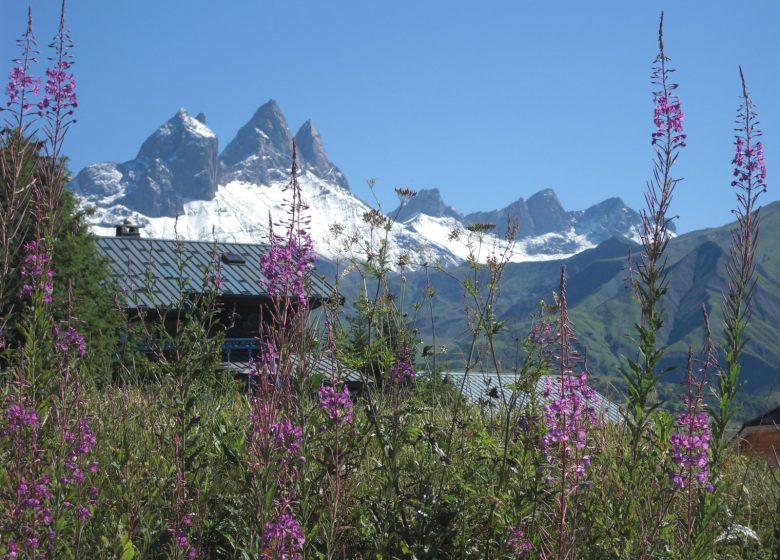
{"x": 128, "y": 550}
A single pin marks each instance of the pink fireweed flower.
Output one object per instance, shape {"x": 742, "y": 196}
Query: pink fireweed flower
{"x": 336, "y": 404}
{"x": 60, "y": 90}
{"x": 568, "y": 413}
{"x": 690, "y": 446}
{"x": 282, "y": 438}
{"x": 183, "y": 542}
{"x": 59, "y": 97}
{"x": 36, "y": 272}
{"x": 288, "y": 438}
{"x": 668, "y": 119}
{"x": 749, "y": 166}
{"x": 284, "y": 267}
{"x": 17, "y": 418}
{"x": 568, "y": 417}
{"x": 518, "y": 543}
{"x": 69, "y": 340}
{"x": 667, "y": 114}
{"x": 19, "y": 81}
{"x": 22, "y": 85}
{"x": 287, "y": 262}
{"x": 283, "y": 539}
{"x": 402, "y": 373}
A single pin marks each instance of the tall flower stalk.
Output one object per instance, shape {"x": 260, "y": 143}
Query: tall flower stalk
{"x": 749, "y": 182}
{"x": 651, "y": 283}
{"x": 276, "y": 444}
{"x": 568, "y": 417}
{"x": 57, "y": 108}
{"x": 17, "y": 181}
{"x": 47, "y": 436}
{"x": 690, "y": 446}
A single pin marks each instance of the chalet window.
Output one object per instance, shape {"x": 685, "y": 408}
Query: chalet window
{"x": 233, "y": 258}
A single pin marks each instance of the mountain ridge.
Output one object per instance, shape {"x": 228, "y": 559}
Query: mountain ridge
{"x": 180, "y": 173}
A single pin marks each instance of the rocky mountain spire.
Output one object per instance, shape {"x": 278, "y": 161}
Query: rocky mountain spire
{"x": 428, "y": 202}
{"x": 313, "y": 158}
{"x": 176, "y": 163}
{"x": 261, "y": 152}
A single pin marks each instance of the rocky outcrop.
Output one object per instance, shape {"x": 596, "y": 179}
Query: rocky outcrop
{"x": 312, "y": 156}
{"x": 429, "y": 202}
{"x": 178, "y": 162}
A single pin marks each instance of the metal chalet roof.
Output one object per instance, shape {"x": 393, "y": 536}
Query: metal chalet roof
{"x": 330, "y": 368}
{"x": 485, "y": 389}
{"x": 145, "y": 267}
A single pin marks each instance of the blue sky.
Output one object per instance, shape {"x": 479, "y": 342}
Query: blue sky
{"x": 487, "y": 101}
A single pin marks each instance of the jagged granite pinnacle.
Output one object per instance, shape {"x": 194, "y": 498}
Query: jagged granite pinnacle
{"x": 177, "y": 162}
{"x": 311, "y": 154}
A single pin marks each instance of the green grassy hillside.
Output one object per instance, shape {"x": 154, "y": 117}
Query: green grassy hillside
{"x": 604, "y": 312}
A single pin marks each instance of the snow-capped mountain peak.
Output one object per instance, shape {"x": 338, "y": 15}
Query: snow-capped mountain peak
{"x": 178, "y": 183}
{"x": 178, "y": 162}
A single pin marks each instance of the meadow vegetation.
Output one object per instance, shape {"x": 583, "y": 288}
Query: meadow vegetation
{"x": 122, "y": 438}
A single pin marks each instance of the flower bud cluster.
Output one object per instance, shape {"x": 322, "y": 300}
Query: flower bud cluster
{"x": 748, "y": 163}
{"x": 35, "y": 271}
{"x": 69, "y": 340}
{"x": 283, "y": 539}
{"x": 690, "y": 446}
{"x": 182, "y": 540}
{"x": 21, "y": 84}
{"x": 519, "y": 544}
{"x": 284, "y": 267}
{"x": 336, "y": 404}
{"x": 668, "y": 119}
{"x": 402, "y": 373}
{"x": 567, "y": 417}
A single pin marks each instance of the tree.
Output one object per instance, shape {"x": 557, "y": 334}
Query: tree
{"x": 83, "y": 288}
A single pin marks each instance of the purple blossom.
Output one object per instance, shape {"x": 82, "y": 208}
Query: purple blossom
{"x": 668, "y": 119}
{"x": 77, "y": 468}
{"x": 284, "y": 266}
{"x": 567, "y": 417}
{"x": 17, "y": 417}
{"x": 22, "y": 85}
{"x": 518, "y": 543}
{"x": 749, "y": 166}
{"x": 36, "y": 272}
{"x": 265, "y": 364}
{"x": 71, "y": 338}
{"x": 282, "y": 439}
{"x": 82, "y": 514}
{"x": 19, "y": 81}
{"x": 60, "y": 89}
{"x": 402, "y": 372}
{"x": 59, "y": 99}
{"x": 690, "y": 445}
{"x": 183, "y": 542}
{"x": 287, "y": 438}
{"x": 667, "y": 114}
{"x": 34, "y": 515}
{"x": 336, "y": 404}
{"x": 283, "y": 540}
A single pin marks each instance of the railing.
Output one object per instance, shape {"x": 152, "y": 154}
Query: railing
{"x": 228, "y": 347}
{"x": 231, "y": 344}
